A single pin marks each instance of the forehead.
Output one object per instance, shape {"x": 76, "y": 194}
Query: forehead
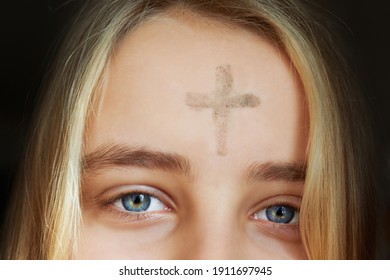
{"x": 159, "y": 63}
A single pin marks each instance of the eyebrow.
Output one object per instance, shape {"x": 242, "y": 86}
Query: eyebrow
{"x": 275, "y": 171}
{"x": 113, "y": 155}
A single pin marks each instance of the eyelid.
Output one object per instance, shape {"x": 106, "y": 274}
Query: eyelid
{"x": 294, "y": 221}
{"x": 288, "y": 232}
{"x": 287, "y": 200}
{"x": 114, "y": 194}
{"x": 107, "y": 200}
{"x": 154, "y": 202}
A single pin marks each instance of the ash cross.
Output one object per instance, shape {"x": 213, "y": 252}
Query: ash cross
{"x": 221, "y": 101}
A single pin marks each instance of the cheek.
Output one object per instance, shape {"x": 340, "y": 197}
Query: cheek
{"x": 265, "y": 246}
{"x": 169, "y": 239}
{"x": 100, "y": 240}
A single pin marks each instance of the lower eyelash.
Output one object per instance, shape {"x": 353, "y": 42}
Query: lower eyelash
{"x": 289, "y": 232}
{"x": 131, "y": 217}
{"x": 286, "y": 227}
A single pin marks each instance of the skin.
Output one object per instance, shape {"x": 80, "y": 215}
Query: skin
{"x": 212, "y": 210}
{"x": 221, "y": 101}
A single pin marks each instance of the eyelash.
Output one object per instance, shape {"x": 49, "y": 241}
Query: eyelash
{"x": 132, "y": 216}
{"x": 289, "y": 231}
{"x": 294, "y": 219}
{"x": 283, "y": 230}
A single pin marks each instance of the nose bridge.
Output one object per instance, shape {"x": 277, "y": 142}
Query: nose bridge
{"x": 211, "y": 241}
{"x": 221, "y": 244}
{"x": 214, "y": 230}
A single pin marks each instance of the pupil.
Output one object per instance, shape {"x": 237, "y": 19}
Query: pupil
{"x": 138, "y": 199}
{"x": 281, "y": 212}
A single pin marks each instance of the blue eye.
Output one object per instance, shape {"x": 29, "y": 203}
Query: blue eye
{"x": 136, "y": 202}
{"x": 139, "y": 202}
{"x": 280, "y": 214}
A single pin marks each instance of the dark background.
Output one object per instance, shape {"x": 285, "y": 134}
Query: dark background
{"x": 31, "y": 29}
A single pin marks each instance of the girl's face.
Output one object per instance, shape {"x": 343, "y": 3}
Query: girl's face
{"x": 198, "y": 149}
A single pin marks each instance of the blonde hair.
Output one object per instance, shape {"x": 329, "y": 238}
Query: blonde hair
{"x": 45, "y": 216}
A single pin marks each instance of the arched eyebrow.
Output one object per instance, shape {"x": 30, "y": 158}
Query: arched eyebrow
{"x": 275, "y": 171}
{"x": 114, "y": 155}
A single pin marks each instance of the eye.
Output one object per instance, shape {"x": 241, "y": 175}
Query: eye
{"x": 280, "y": 214}
{"x": 139, "y": 202}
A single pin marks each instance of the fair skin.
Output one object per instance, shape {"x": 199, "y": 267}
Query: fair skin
{"x": 190, "y": 182}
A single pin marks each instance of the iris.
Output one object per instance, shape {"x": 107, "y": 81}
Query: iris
{"x": 281, "y": 214}
{"x": 136, "y": 202}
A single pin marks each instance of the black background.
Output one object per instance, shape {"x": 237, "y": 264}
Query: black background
{"x": 30, "y": 30}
